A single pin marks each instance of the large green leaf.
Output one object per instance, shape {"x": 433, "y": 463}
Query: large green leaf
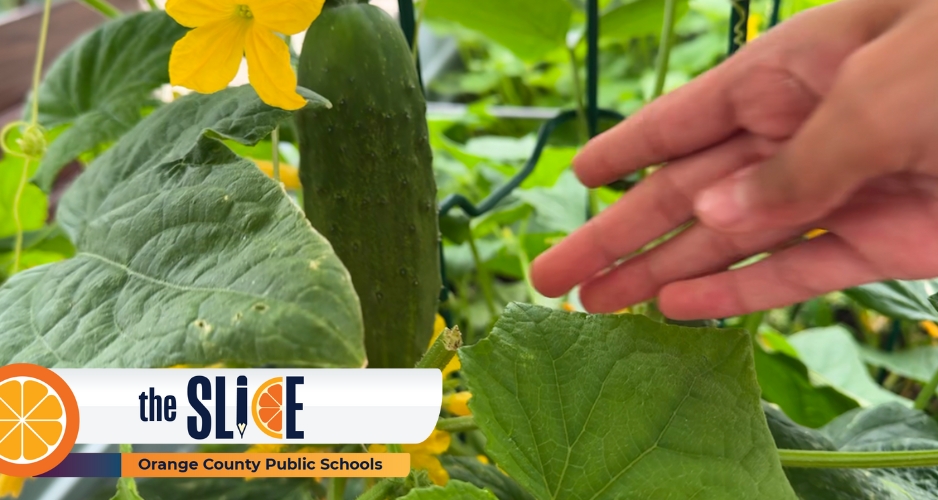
{"x": 639, "y": 18}
{"x": 918, "y": 364}
{"x": 785, "y": 381}
{"x": 529, "y": 28}
{"x": 228, "y": 488}
{"x": 889, "y": 427}
{"x": 454, "y": 490}
{"x": 186, "y": 254}
{"x": 898, "y": 299}
{"x": 833, "y": 353}
{"x": 576, "y": 406}
{"x": 101, "y": 83}
{"x": 487, "y": 476}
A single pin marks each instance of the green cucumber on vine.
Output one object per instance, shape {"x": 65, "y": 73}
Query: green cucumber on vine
{"x": 366, "y": 170}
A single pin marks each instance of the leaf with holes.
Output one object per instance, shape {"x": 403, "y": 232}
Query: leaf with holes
{"x": 576, "y": 406}
{"x": 101, "y": 84}
{"x": 186, "y": 254}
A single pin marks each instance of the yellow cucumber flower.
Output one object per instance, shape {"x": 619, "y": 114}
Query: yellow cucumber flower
{"x": 457, "y": 403}
{"x": 208, "y": 57}
{"x": 11, "y": 486}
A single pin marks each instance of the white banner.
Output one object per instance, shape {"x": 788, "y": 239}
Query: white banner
{"x": 255, "y": 406}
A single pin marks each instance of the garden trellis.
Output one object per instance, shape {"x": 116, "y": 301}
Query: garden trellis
{"x": 739, "y": 19}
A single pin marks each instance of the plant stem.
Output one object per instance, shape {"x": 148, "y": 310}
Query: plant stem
{"x": 664, "y": 48}
{"x": 924, "y": 397}
{"x": 336, "y": 490}
{"x": 442, "y": 350}
{"x": 457, "y": 424}
{"x": 379, "y": 491}
{"x": 152, "y": 5}
{"x": 275, "y": 152}
{"x": 485, "y": 279}
{"x": 126, "y": 486}
{"x": 578, "y": 94}
{"x": 105, "y": 8}
{"x": 419, "y": 19}
{"x": 858, "y": 459}
{"x": 40, "y": 54}
{"x": 525, "y": 261}
{"x": 17, "y": 220}
{"x": 752, "y": 322}
{"x": 395, "y": 448}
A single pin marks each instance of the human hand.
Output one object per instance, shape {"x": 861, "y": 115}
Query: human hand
{"x": 827, "y": 121}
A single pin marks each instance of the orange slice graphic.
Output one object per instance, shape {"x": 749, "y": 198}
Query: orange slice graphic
{"x": 267, "y": 407}
{"x": 34, "y": 420}
{"x": 38, "y": 420}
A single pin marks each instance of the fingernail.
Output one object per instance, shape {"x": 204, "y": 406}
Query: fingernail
{"x": 725, "y": 204}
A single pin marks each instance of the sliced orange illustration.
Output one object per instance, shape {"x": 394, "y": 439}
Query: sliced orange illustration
{"x": 32, "y": 420}
{"x": 267, "y": 407}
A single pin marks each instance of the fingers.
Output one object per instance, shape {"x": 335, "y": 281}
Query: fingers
{"x": 694, "y": 117}
{"x": 850, "y": 139}
{"x": 650, "y": 210}
{"x": 801, "y": 272}
{"x": 697, "y": 251}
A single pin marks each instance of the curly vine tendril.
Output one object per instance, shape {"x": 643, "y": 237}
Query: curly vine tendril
{"x": 739, "y": 30}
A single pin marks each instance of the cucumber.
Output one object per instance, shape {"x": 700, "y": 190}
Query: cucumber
{"x": 366, "y": 170}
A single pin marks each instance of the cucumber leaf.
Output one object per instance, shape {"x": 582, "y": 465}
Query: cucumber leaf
{"x": 186, "y": 254}
{"x": 454, "y": 490}
{"x": 834, "y": 354}
{"x": 898, "y": 299}
{"x": 227, "y": 488}
{"x": 637, "y": 19}
{"x": 101, "y": 84}
{"x": 487, "y": 476}
{"x": 918, "y": 363}
{"x": 803, "y": 395}
{"x": 578, "y": 406}
{"x": 529, "y": 28}
{"x": 888, "y": 427}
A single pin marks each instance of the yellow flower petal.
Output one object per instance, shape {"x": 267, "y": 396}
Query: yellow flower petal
{"x": 930, "y": 327}
{"x": 289, "y": 175}
{"x": 269, "y": 70}
{"x": 754, "y": 26}
{"x": 11, "y": 486}
{"x": 432, "y": 465}
{"x": 207, "y": 58}
{"x": 286, "y": 16}
{"x": 482, "y": 458}
{"x": 195, "y": 13}
{"x": 457, "y": 403}
{"x": 437, "y": 443}
{"x": 814, "y": 233}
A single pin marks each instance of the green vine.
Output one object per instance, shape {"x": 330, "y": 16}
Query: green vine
{"x": 664, "y": 49}
{"x": 924, "y": 397}
{"x": 858, "y": 459}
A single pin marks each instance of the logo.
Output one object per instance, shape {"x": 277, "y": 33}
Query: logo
{"x": 38, "y": 420}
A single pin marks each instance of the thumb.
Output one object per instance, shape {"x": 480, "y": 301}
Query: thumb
{"x": 840, "y": 148}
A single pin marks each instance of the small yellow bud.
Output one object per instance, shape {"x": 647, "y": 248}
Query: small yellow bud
{"x": 457, "y": 403}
